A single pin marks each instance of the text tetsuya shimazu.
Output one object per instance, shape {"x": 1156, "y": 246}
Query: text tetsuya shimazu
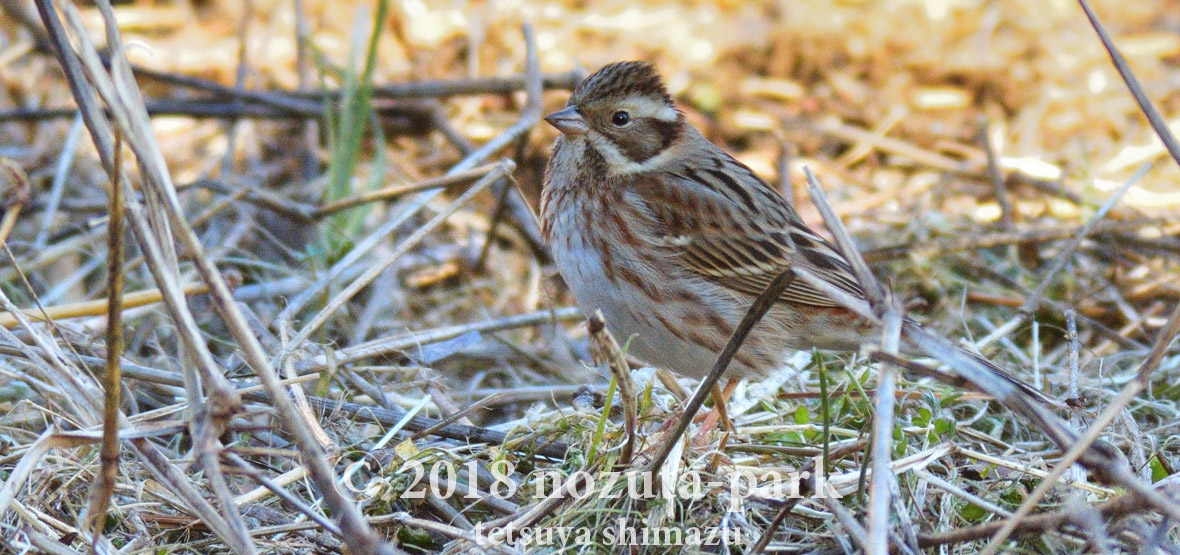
{"x": 618, "y": 532}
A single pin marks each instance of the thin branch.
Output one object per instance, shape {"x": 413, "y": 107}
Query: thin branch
{"x": 606, "y": 350}
{"x": 104, "y": 487}
{"x": 754, "y": 314}
{"x": 19, "y": 195}
{"x": 996, "y": 176}
{"x": 1120, "y": 63}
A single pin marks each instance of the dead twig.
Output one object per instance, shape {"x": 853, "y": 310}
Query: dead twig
{"x": 104, "y": 487}
{"x": 995, "y": 176}
{"x": 605, "y": 350}
{"x": 18, "y": 197}
{"x": 1158, "y": 124}
{"x": 754, "y": 314}
{"x": 97, "y": 307}
{"x": 1123, "y": 505}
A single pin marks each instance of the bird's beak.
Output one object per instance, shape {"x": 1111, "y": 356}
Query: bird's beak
{"x": 568, "y": 121}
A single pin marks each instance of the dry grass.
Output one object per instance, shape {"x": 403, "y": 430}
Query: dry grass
{"x": 437, "y": 303}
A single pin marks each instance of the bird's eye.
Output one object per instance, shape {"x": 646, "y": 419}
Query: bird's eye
{"x": 620, "y": 118}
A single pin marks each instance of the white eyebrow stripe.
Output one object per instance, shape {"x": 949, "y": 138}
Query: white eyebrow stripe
{"x": 647, "y": 107}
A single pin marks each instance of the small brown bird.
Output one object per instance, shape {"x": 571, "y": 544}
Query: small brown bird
{"x": 673, "y": 239}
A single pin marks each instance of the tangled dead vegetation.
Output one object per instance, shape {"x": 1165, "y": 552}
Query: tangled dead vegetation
{"x": 264, "y": 275}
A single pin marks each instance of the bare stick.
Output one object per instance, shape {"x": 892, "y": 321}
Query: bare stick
{"x": 246, "y": 468}
{"x": 1034, "y": 300}
{"x": 605, "y": 349}
{"x": 1120, "y": 63}
{"x": 100, "y": 493}
{"x": 94, "y": 308}
{"x": 864, "y": 276}
{"x": 754, "y": 314}
{"x": 1053, "y": 521}
{"x": 995, "y": 176}
{"x": 394, "y": 191}
{"x": 21, "y": 195}
{"x": 362, "y": 281}
{"x": 947, "y": 245}
{"x": 877, "y": 527}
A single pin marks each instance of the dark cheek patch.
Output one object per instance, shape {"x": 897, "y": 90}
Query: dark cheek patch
{"x": 645, "y": 138}
{"x": 668, "y": 131}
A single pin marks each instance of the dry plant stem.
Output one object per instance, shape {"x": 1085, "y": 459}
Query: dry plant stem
{"x": 757, "y": 310}
{"x": 877, "y": 528}
{"x": 209, "y": 419}
{"x": 1120, "y": 63}
{"x": 298, "y": 100}
{"x": 996, "y": 176}
{"x": 768, "y": 534}
{"x": 303, "y": 70}
{"x": 104, "y": 487}
{"x": 100, "y": 134}
{"x": 939, "y": 247}
{"x": 478, "y": 85}
{"x": 408, "y": 118}
{"x": 246, "y": 468}
{"x": 882, "y": 448}
{"x": 1034, "y": 299}
{"x": 1053, "y": 521}
{"x": 457, "y": 415}
{"x": 1118, "y": 472}
{"x": 493, "y": 228}
{"x": 20, "y": 198}
{"x": 543, "y": 507}
{"x": 605, "y": 349}
{"x": 250, "y": 192}
{"x": 529, "y": 118}
{"x": 505, "y": 167}
{"x": 720, "y": 398}
{"x": 231, "y": 127}
{"x": 405, "y": 519}
{"x": 97, "y": 307}
{"x": 394, "y": 191}
{"x": 864, "y": 276}
{"x": 1071, "y": 336}
{"x": 126, "y": 107}
{"x": 48, "y": 545}
{"x": 457, "y": 432}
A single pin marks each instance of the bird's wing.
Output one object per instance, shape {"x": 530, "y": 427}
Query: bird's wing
{"x": 729, "y": 226}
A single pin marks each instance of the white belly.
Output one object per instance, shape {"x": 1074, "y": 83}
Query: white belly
{"x": 631, "y": 315}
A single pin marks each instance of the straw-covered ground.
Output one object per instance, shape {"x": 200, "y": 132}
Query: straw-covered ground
{"x": 340, "y": 195}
